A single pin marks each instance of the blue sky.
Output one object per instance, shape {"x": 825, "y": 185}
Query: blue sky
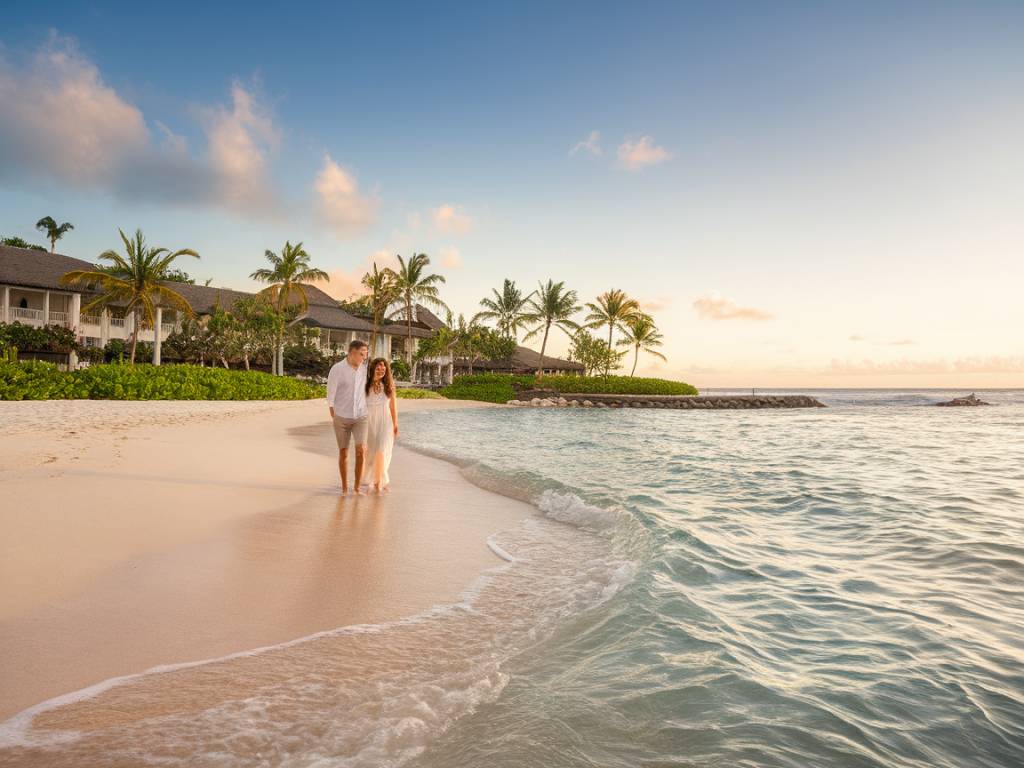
{"x": 800, "y": 193}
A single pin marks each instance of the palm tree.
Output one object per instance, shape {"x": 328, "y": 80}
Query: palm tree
{"x": 613, "y": 308}
{"x": 381, "y": 285}
{"x": 643, "y": 335}
{"x": 53, "y": 230}
{"x": 412, "y": 286}
{"x": 288, "y": 275}
{"x": 134, "y": 281}
{"x": 507, "y": 309}
{"x": 551, "y": 305}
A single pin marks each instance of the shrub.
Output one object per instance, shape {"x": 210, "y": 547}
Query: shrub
{"x": 43, "y": 381}
{"x": 28, "y": 338}
{"x": 407, "y": 393}
{"x": 500, "y": 388}
{"x": 400, "y": 369}
{"x": 308, "y": 361}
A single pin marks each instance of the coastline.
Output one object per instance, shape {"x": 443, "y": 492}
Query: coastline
{"x": 145, "y": 534}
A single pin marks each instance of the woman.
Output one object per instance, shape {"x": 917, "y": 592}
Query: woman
{"x": 381, "y": 422}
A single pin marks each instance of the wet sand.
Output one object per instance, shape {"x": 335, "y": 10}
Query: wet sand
{"x": 143, "y": 534}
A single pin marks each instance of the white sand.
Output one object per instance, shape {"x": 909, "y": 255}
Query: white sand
{"x": 143, "y": 533}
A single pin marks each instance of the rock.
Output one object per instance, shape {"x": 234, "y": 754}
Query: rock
{"x": 535, "y": 402}
{"x": 971, "y": 399}
{"x": 588, "y": 404}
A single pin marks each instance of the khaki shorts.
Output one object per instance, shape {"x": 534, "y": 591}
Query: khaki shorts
{"x": 346, "y": 429}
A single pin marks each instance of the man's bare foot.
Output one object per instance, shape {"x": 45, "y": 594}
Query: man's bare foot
{"x": 360, "y": 491}
{"x": 344, "y": 490}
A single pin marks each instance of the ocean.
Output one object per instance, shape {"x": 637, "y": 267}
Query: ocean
{"x": 838, "y": 587}
{"x": 833, "y": 587}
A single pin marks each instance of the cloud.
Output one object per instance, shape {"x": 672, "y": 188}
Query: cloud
{"x": 991, "y": 364}
{"x": 452, "y": 219}
{"x": 656, "y": 304}
{"x": 591, "y": 145}
{"x": 450, "y": 258}
{"x": 344, "y": 284}
{"x": 61, "y": 119}
{"x": 338, "y": 203}
{"x": 239, "y": 139}
{"x": 635, "y": 155}
{"x": 856, "y": 337}
{"x": 717, "y": 307}
{"x": 901, "y": 343}
{"x": 63, "y": 122}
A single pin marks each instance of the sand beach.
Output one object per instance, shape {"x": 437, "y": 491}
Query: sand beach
{"x": 139, "y": 534}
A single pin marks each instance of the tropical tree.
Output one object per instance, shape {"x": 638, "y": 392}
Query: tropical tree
{"x": 642, "y": 334}
{"x": 593, "y": 353}
{"x": 53, "y": 230}
{"x": 413, "y": 285}
{"x": 383, "y": 294}
{"x": 289, "y": 274}
{"x": 613, "y": 308}
{"x": 489, "y": 344}
{"x": 442, "y": 344}
{"x": 17, "y": 242}
{"x": 552, "y": 305}
{"x": 507, "y": 310}
{"x": 133, "y": 281}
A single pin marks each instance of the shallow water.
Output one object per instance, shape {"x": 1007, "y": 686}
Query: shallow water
{"x": 839, "y": 587}
{"x": 831, "y": 587}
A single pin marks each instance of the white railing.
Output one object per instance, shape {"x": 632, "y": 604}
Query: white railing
{"x": 118, "y": 322}
{"x": 59, "y": 317}
{"x": 89, "y": 319}
{"x": 20, "y": 313}
{"x": 167, "y": 328}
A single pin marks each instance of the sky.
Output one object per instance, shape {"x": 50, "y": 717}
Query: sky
{"x": 801, "y": 194}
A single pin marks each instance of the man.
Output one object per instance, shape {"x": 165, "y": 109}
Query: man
{"x": 346, "y": 396}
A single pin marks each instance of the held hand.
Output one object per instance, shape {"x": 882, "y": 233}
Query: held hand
{"x": 396, "y": 432}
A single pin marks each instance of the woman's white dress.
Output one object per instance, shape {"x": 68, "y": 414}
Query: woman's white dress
{"x": 380, "y": 436}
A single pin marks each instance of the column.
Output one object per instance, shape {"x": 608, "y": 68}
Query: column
{"x": 156, "y": 334}
{"x": 6, "y": 317}
{"x": 46, "y": 307}
{"x": 75, "y": 313}
{"x": 104, "y": 327}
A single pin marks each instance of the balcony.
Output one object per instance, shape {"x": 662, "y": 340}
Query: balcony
{"x": 21, "y": 314}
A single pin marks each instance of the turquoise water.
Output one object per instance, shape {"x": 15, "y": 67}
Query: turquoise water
{"x": 836, "y": 587}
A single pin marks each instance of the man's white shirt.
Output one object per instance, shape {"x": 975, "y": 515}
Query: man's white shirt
{"x": 346, "y": 390}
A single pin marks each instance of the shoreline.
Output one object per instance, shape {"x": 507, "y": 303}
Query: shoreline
{"x": 217, "y": 531}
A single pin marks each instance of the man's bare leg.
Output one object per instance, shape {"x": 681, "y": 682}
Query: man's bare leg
{"x": 343, "y": 468}
{"x": 360, "y": 459}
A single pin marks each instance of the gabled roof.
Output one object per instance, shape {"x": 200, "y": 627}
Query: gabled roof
{"x": 37, "y": 269}
{"x": 428, "y": 318}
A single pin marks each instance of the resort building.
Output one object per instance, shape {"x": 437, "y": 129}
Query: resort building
{"x": 523, "y": 361}
{"x": 31, "y": 293}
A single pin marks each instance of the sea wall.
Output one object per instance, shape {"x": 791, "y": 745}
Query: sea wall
{"x": 547, "y": 399}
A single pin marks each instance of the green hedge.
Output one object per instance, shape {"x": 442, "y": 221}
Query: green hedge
{"x": 500, "y": 388}
{"x": 44, "y": 381}
{"x": 406, "y": 393}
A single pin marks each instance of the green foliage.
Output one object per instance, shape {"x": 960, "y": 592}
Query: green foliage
{"x": 29, "y": 338}
{"x": 593, "y": 353}
{"x": 44, "y": 381}
{"x": 118, "y": 350}
{"x": 305, "y": 360}
{"x": 400, "y": 369}
{"x": 17, "y": 242}
{"x": 408, "y": 393}
{"x": 179, "y": 276}
{"x": 500, "y": 388}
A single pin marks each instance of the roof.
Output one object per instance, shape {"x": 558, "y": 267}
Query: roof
{"x": 529, "y": 359}
{"x": 428, "y": 318}
{"x": 37, "y": 269}
{"x": 203, "y": 298}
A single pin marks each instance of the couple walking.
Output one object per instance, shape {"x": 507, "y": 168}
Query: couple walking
{"x": 362, "y": 403}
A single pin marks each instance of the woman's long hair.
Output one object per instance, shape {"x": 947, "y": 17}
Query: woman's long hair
{"x": 389, "y": 385}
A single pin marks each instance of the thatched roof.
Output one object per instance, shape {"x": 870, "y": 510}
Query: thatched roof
{"x": 526, "y": 359}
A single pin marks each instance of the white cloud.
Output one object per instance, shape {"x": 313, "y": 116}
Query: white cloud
{"x": 452, "y": 219}
{"x": 591, "y": 145}
{"x": 856, "y": 337}
{"x": 656, "y": 304}
{"x": 338, "y": 202}
{"x": 450, "y": 258}
{"x": 60, "y": 119}
{"x": 716, "y": 307}
{"x": 635, "y": 155}
{"x": 239, "y": 139}
{"x": 63, "y": 122}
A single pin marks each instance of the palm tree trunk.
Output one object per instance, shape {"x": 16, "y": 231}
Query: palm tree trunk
{"x": 408, "y": 341}
{"x": 608, "y": 365}
{"x": 245, "y": 359}
{"x": 135, "y": 334}
{"x": 636, "y": 356}
{"x": 543, "y": 346}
